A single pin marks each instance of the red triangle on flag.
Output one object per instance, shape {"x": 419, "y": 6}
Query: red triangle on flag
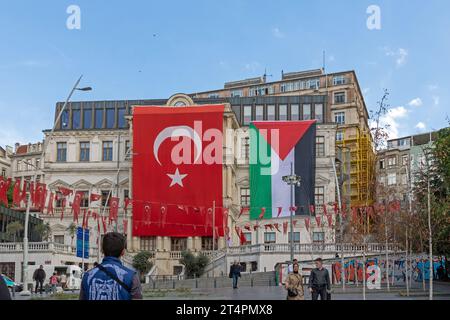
{"x": 289, "y": 133}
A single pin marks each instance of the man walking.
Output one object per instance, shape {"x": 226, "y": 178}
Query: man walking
{"x": 319, "y": 281}
{"x": 39, "y": 277}
{"x": 235, "y": 273}
{"x": 110, "y": 280}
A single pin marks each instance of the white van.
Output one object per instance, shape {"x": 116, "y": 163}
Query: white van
{"x": 72, "y": 272}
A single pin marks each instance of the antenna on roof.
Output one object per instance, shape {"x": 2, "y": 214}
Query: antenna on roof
{"x": 266, "y": 75}
{"x": 323, "y": 57}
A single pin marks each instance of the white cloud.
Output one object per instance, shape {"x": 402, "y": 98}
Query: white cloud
{"x": 432, "y": 87}
{"x": 252, "y": 66}
{"x": 436, "y": 100}
{"x": 421, "y": 126}
{"x": 417, "y": 102}
{"x": 400, "y": 55}
{"x": 332, "y": 58}
{"x": 390, "y": 120}
{"x": 276, "y": 32}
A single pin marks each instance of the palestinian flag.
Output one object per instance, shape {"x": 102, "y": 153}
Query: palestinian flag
{"x": 274, "y": 146}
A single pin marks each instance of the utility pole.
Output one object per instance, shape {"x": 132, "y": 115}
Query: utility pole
{"x": 25, "y": 291}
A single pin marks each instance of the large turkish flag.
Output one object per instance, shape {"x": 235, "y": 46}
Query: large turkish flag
{"x": 177, "y": 170}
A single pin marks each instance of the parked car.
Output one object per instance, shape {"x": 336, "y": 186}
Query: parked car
{"x": 11, "y": 284}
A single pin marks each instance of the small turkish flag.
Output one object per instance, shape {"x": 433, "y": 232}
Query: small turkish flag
{"x": 318, "y": 221}
{"x": 113, "y": 208}
{"x": 95, "y": 197}
{"x": 325, "y": 209}
{"x": 65, "y": 191}
{"x": 311, "y": 208}
{"x": 279, "y": 211}
{"x": 261, "y": 215}
{"x": 16, "y": 193}
{"x": 307, "y": 223}
{"x": 285, "y": 227}
{"x": 330, "y": 220}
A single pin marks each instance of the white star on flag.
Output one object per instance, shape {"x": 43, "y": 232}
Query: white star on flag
{"x": 177, "y": 178}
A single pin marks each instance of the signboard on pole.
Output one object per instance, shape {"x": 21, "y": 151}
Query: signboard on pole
{"x": 82, "y": 246}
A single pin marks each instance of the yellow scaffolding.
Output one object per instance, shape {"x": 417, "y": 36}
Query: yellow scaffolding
{"x": 362, "y": 159}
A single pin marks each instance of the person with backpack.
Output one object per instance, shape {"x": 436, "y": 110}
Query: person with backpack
{"x": 111, "y": 280}
{"x": 39, "y": 277}
{"x": 53, "y": 282}
{"x": 294, "y": 284}
{"x": 319, "y": 282}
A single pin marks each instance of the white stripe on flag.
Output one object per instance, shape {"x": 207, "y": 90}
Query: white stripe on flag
{"x": 281, "y": 192}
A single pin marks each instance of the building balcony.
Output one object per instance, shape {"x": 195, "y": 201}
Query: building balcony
{"x": 42, "y": 247}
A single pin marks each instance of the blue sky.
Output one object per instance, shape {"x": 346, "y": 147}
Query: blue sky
{"x": 152, "y": 49}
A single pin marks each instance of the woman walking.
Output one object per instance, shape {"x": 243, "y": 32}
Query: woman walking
{"x": 294, "y": 284}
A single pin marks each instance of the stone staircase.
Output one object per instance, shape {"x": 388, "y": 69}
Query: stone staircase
{"x": 256, "y": 279}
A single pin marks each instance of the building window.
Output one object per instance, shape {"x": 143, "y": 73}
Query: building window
{"x": 61, "y": 154}
{"x": 178, "y": 244}
{"x": 236, "y": 93}
{"x": 392, "y": 179}
{"x": 105, "y": 198}
{"x": 245, "y": 197}
{"x": 58, "y": 239}
{"x": 38, "y": 163}
{"x": 76, "y": 119}
{"x": 318, "y": 237}
{"x": 339, "y": 136}
{"x": 110, "y": 118}
{"x": 404, "y": 160}
{"x": 271, "y": 112}
{"x": 245, "y": 148}
{"x": 208, "y": 244}
{"x": 313, "y": 84}
{"x": 318, "y": 112}
{"x": 126, "y": 193}
{"x": 392, "y": 161}
{"x": 84, "y": 199}
{"x": 121, "y": 121}
{"x": 87, "y": 118}
{"x": 98, "y": 118}
{"x": 338, "y": 80}
{"x": 65, "y": 119}
{"x": 306, "y": 112}
{"x": 339, "y": 117}
{"x": 58, "y": 199}
{"x": 282, "y": 112}
{"x": 213, "y": 96}
{"x": 339, "y": 97}
{"x": 296, "y": 237}
{"x": 107, "y": 151}
{"x": 127, "y": 150}
{"x": 148, "y": 243}
{"x": 269, "y": 237}
{"x": 84, "y": 151}
{"x": 320, "y": 146}
{"x": 259, "y": 116}
{"x": 382, "y": 166}
{"x": 248, "y": 238}
{"x": 247, "y": 115}
{"x": 319, "y": 195}
{"x": 3, "y": 172}
{"x": 294, "y": 112}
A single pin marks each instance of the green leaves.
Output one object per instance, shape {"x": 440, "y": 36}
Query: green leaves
{"x": 194, "y": 265}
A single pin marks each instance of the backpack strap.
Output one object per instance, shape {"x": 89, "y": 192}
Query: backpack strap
{"x": 115, "y": 278}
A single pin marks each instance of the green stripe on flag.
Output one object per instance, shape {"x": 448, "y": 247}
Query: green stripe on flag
{"x": 260, "y": 177}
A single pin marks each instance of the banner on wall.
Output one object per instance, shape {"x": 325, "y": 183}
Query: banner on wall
{"x": 274, "y": 146}
{"x": 177, "y": 170}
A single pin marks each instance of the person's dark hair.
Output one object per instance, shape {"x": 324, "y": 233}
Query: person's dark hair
{"x": 318, "y": 260}
{"x": 113, "y": 244}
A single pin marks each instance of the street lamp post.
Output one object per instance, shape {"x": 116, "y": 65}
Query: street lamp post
{"x": 25, "y": 291}
{"x": 292, "y": 180}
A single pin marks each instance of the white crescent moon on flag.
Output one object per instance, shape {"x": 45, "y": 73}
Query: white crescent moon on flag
{"x": 178, "y": 131}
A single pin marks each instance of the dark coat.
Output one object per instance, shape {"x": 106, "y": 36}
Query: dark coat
{"x": 4, "y": 291}
{"x": 39, "y": 275}
{"x": 235, "y": 270}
